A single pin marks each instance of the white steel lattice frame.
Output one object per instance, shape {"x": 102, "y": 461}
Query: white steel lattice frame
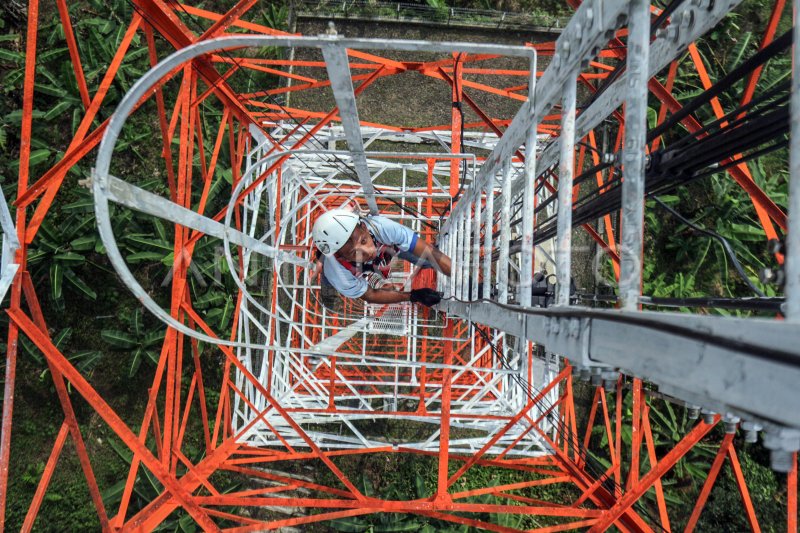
{"x": 758, "y": 357}
{"x": 484, "y": 398}
{"x": 299, "y": 373}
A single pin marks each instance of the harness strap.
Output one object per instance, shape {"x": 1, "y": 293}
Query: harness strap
{"x": 381, "y": 262}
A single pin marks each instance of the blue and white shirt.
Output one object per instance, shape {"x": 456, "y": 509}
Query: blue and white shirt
{"x": 384, "y": 231}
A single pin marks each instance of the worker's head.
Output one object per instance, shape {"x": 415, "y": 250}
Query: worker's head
{"x": 360, "y": 247}
{"x": 340, "y": 232}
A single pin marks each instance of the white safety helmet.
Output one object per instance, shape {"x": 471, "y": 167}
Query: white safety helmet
{"x": 333, "y": 229}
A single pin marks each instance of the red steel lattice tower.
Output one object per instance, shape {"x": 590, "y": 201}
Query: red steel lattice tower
{"x": 304, "y": 380}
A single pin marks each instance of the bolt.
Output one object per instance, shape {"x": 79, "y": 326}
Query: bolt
{"x": 730, "y": 422}
{"x": 574, "y": 327}
{"x": 672, "y": 32}
{"x": 751, "y": 430}
{"x": 782, "y": 443}
{"x": 781, "y": 461}
{"x": 610, "y": 378}
{"x": 708, "y": 416}
{"x": 586, "y": 374}
{"x": 693, "y": 412}
{"x": 775, "y": 246}
{"x": 769, "y": 275}
{"x": 331, "y": 31}
{"x": 687, "y": 20}
{"x": 597, "y": 377}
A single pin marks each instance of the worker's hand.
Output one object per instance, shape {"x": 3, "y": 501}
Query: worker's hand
{"x": 426, "y": 297}
{"x": 316, "y": 269}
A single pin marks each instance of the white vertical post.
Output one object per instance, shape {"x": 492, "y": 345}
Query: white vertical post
{"x": 467, "y": 254}
{"x": 528, "y": 196}
{"x": 476, "y": 252}
{"x": 487, "y": 239}
{"x": 633, "y": 154}
{"x": 451, "y": 238}
{"x": 505, "y": 233}
{"x": 792, "y": 265}
{"x": 566, "y": 171}
{"x": 459, "y": 270}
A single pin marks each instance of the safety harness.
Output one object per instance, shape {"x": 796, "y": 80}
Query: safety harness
{"x": 381, "y": 262}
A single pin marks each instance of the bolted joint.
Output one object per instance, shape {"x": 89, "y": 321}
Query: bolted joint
{"x": 769, "y": 275}
{"x": 782, "y": 443}
{"x": 610, "y": 378}
{"x": 596, "y": 376}
{"x": 731, "y": 422}
{"x": 776, "y": 246}
{"x": 751, "y": 430}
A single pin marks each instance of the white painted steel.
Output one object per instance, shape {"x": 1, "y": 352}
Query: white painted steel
{"x": 792, "y": 267}
{"x": 566, "y": 173}
{"x": 8, "y": 268}
{"x": 633, "y": 155}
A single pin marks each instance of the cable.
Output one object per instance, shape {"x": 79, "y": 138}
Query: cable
{"x": 620, "y": 68}
{"x": 765, "y": 304}
{"x": 714, "y": 235}
{"x": 778, "y": 45}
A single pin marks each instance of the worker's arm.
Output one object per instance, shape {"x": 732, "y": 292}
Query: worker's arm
{"x": 425, "y": 296}
{"x": 385, "y": 296}
{"x": 431, "y": 254}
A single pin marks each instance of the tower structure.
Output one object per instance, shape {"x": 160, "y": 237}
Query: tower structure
{"x": 486, "y": 380}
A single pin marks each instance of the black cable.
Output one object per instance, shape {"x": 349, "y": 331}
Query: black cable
{"x": 766, "y": 304}
{"x": 768, "y": 126}
{"x": 621, "y": 66}
{"x": 714, "y": 235}
{"x": 778, "y": 45}
{"x": 458, "y": 105}
{"x": 668, "y": 169}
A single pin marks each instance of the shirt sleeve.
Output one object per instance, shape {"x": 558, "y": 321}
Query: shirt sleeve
{"x": 390, "y": 232}
{"x": 343, "y": 280}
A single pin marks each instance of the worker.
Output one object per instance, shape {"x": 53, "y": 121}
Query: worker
{"x": 352, "y": 246}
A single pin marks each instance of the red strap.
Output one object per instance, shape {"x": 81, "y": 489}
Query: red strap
{"x": 383, "y": 258}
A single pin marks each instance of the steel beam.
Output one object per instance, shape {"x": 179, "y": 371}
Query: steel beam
{"x": 793, "y": 235}
{"x": 633, "y": 155}
{"x": 662, "y": 50}
{"x": 743, "y": 366}
{"x": 338, "y": 67}
{"x": 585, "y": 33}
{"x": 566, "y": 173}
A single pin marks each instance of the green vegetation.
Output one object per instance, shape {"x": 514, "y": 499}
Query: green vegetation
{"x": 679, "y": 261}
{"x": 104, "y": 331}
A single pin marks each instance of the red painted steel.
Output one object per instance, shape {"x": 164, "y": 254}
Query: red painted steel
{"x": 178, "y": 400}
